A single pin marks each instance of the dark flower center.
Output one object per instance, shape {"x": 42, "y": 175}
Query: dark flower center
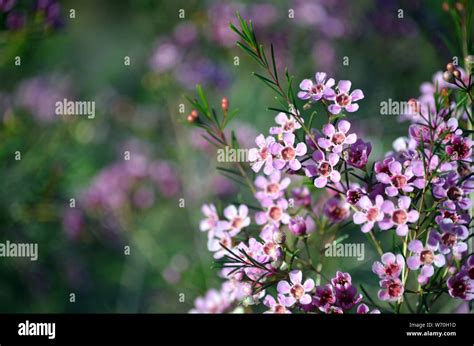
{"x": 455, "y": 193}
{"x": 338, "y": 138}
{"x": 353, "y": 196}
{"x": 264, "y": 153}
{"x": 288, "y": 153}
{"x": 399, "y": 181}
{"x": 372, "y": 214}
{"x": 325, "y": 168}
{"x": 391, "y": 269}
{"x": 280, "y": 309}
{"x": 275, "y": 213}
{"x": 297, "y": 291}
{"x": 273, "y": 188}
{"x": 289, "y": 126}
{"x": 394, "y": 289}
{"x": 400, "y": 216}
{"x": 449, "y": 239}
{"x": 237, "y": 222}
{"x": 317, "y": 89}
{"x": 426, "y": 257}
{"x": 343, "y": 99}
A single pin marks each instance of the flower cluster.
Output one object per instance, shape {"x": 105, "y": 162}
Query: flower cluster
{"x": 420, "y": 192}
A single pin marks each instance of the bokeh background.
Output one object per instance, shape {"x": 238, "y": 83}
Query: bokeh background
{"x": 136, "y": 203}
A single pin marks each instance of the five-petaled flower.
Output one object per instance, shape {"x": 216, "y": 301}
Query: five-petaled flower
{"x": 296, "y": 291}
{"x": 344, "y": 100}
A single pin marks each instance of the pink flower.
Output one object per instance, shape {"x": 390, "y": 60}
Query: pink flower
{"x": 274, "y": 212}
{"x": 399, "y": 180}
{"x": 237, "y": 219}
{"x": 276, "y": 308}
{"x": 460, "y": 148}
{"x": 335, "y": 139}
{"x": 323, "y": 169}
{"x": 286, "y": 155}
{"x": 288, "y": 124}
{"x": 211, "y": 220}
{"x": 262, "y": 156}
{"x": 336, "y": 209}
{"x": 318, "y": 90}
{"x": 345, "y": 101}
{"x": 272, "y": 187}
{"x": 214, "y": 244}
{"x": 399, "y": 215}
{"x": 424, "y": 257}
{"x": 391, "y": 290}
{"x": 391, "y": 266}
{"x": 295, "y": 292}
{"x": 369, "y": 213}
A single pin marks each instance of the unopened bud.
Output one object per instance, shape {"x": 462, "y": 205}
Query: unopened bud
{"x": 445, "y": 6}
{"x": 225, "y": 104}
{"x": 297, "y": 226}
{"x": 450, "y": 67}
{"x": 448, "y": 76}
{"x": 457, "y": 74}
{"x": 459, "y": 6}
{"x": 279, "y": 237}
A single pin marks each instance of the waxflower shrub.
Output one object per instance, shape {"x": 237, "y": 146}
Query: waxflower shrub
{"x": 419, "y": 193}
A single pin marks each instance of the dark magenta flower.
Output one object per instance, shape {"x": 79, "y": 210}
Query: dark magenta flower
{"x": 359, "y": 153}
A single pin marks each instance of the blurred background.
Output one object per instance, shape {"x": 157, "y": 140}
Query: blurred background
{"x": 151, "y": 203}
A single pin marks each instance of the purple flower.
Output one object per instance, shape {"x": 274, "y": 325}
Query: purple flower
{"x": 336, "y": 209}
{"x": 274, "y": 212}
{"x": 318, "y": 90}
{"x": 276, "y": 308}
{"x": 324, "y": 297}
{"x": 391, "y": 266}
{"x": 295, "y": 291}
{"x": 424, "y": 257}
{"x": 237, "y": 219}
{"x": 272, "y": 187}
{"x": 391, "y": 290}
{"x": 288, "y": 124}
{"x": 345, "y": 101}
{"x": 335, "y": 139}
{"x": 214, "y": 302}
{"x": 450, "y": 238}
{"x": 286, "y": 155}
{"x": 460, "y": 148}
{"x": 369, "y": 213}
{"x": 214, "y": 243}
{"x": 323, "y": 169}
{"x": 342, "y": 281}
{"x": 211, "y": 220}
{"x": 297, "y": 226}
{"x": 451, "y": 188}
{"x": 346, "y": 299}
{"x": 359, "y": 153}
{"x": 397, "y": 180}
{"x": 354, "y": 194}
{"x": 364, "y": 309}
{"x": 262, "y": 156}
{"x": 399, "y": 215}
{"x": 461, "y": 286}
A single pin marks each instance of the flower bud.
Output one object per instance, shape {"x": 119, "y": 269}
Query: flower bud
{"x": 297, "y": 226}
{"x": 225, "y": 104}
{"x": 450, "y": 67}
{"x": 448, "y": 76}
{"x": 469, "y": 62}
{"x": 192, "y": 116}
{"x": 457, "y": 74}
{"x": 445, "y": 6}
